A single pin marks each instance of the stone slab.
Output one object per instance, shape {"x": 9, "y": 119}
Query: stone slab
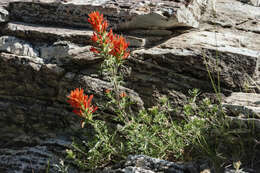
{"x": 121, "y": 14}
{"x": 243, "y": 104}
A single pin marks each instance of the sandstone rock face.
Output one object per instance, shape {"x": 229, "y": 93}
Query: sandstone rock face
{"x": 44, "y": 53}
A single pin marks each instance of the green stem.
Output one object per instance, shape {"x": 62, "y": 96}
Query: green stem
{"x": 122, "y": 113}
{"x": 115, "y": 81}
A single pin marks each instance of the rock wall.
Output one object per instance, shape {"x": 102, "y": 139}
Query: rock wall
{"x": 44, "y": 53}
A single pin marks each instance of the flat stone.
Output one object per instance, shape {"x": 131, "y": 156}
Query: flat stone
{"x": 135, "y": 41}
{"x": 232, "y": 13}
{"x": 57, "y": 50}
{"x": 40, "y": 33}
{"x": 153, "y": 32}
{"x": 235, "y": 171}
{"x": 186, "y": 55}
{"x": 251, "y": 25}
{"x": 220, "y": 39}
{"x": 247, "y": 104}
{"x": 251, "y": 2}
{"x": 17, "y": 46}
{"x": 122, "y": 14}
{"x": 64, "y": 52}
{"x": 146, "y": 164}
{"x": 4, "y": 3}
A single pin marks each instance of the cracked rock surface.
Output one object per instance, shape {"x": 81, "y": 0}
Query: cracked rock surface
{"x": 44, "y": 53}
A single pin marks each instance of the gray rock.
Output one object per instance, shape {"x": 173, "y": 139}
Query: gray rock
{"x": 34, "y": 112}
{"x": 121, "y": 14}
{"x": 41, "y": 33}
{"x": 4, "y": 15}
{"x": 251, "y": 2}
{"x": 44, "y": 54}
{"x": 247, "y": 104}
{"x": 146, "y": 164}
{"x": 190, "y": 51}
{"x": 238, "y": 171}
{"x": 65, "y": 53}
{"x": 153, "y": 32}
{"x": 17, "y": 46}
{"x": 246, "y": 122}
{"x": 135, "y": 41}
{"x": 57, "y": 50}
{"x": 40, "y": 127}
{"x": 232, "y": 13}
{"x": 245, "y": 108}
{"x": 4, "y": 3}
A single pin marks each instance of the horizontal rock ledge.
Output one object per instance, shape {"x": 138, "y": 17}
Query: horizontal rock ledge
{"x": 121, "y": 14}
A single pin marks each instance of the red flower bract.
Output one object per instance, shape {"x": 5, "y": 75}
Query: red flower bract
{"x": 119, "y": 47}
{"x": 94, "y": 37}
{"x": 117, "y": 44}
{"x": 81, "y": 103}
{"x": 97, "y": 21}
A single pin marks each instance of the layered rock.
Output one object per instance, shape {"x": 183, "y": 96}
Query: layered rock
{"x": 4, "y": 15}
{"x": 251, "y": 2}
{"x": 245, "y": 108}
{"x": 44, "y": 53}
{"x": 145, "y": 164}
{"x": 245, "y": 103}
{"x": 122, "y": 14}
{"x": 48, "y": 34}
{"x": 141, "y": 163}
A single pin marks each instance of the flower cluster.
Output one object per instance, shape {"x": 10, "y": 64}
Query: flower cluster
{"x": 81, "y": 103}
{"x": 97, "y": 21}
{"x": 111, "y": 46}
{"x": 108, "y": 43}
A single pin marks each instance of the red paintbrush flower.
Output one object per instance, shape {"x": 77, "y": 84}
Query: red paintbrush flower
{"x": 116, "y": 45}
{"x": 97, "y": 21}
{"x": 81, "y": 103}
{"x": 119, "y": 47}
{"x": 94, "y": 37}
{"x": 76, "y": 97}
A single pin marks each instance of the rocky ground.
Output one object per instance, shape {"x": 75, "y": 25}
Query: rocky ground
{"x": 44, "y": 53}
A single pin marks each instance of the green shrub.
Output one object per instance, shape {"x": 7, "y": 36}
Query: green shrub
{"x": 197, "y": 130}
